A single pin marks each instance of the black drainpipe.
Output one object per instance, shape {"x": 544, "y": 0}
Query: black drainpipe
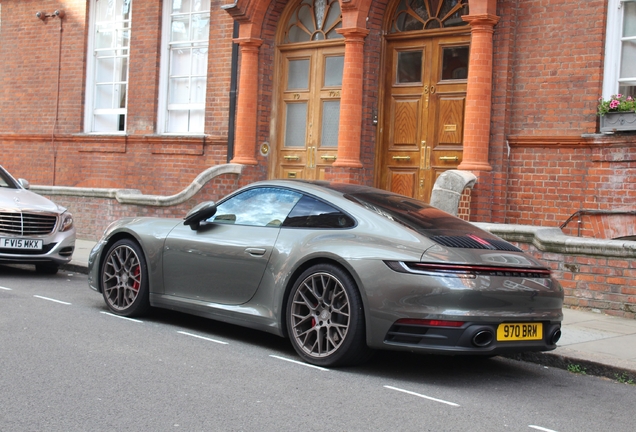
{"x": 233, "y": 85}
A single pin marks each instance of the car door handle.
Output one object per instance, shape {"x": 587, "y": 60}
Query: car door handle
{"x": 255, "y": 251}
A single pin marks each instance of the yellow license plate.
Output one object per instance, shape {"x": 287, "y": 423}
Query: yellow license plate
{"x": 520, "y": 331}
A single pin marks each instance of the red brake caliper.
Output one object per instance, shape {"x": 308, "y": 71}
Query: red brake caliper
{"x": 136, "y": 272}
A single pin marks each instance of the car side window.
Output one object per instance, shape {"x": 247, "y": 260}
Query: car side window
{"x": 257, "y": 207}
{"x": 312, "y": 213}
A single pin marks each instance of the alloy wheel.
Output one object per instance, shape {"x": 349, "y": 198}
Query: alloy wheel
{"x": 320, "y": 315}
{"x": 121, "y": 277}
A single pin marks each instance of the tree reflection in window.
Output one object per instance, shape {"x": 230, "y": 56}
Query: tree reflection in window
{"x": 412, "y": 15}
{"x": 314, "y": 20}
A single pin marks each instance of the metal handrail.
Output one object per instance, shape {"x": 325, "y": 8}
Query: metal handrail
{"x": 581, "y": 213}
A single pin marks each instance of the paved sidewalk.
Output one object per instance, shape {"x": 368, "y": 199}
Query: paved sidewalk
{"x": 593, "y": 343}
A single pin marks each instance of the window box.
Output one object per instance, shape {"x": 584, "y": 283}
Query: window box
{"x": 618, "y": 122}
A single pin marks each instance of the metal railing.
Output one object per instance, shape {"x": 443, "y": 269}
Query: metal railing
{"x": 582, "y": 213}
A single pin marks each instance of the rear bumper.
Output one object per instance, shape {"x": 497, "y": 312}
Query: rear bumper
{"x": 472, "y": 338}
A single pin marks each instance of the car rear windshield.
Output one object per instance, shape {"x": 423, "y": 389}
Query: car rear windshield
{"x": 418, "y": 216}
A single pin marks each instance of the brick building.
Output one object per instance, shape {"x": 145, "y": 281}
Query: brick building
{"x": 391, "y": 93}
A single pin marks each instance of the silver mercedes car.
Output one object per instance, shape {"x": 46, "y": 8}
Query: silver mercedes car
{"x": 33, "y": 229}
{"x": 339, "y": 269}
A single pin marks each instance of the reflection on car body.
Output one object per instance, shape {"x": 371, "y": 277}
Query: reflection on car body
{"x": 339, "y": 269}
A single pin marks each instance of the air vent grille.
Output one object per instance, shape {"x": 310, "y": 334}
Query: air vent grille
{"x": 474, "y": 242}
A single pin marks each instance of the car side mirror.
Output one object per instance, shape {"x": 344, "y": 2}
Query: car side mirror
{"x": 199, "y": 213}
{"x": 25, "y": 184}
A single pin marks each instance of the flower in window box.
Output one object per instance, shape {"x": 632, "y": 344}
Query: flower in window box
{"x": 616, "y": 103}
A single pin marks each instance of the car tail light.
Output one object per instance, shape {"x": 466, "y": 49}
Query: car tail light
{"x": 466, "y": 270}
{"x": 429, "y": 322}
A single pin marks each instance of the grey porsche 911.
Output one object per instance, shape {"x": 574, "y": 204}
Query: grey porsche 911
{"x": 339, "y": 269}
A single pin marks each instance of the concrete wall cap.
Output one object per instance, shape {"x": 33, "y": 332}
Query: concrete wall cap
{"x": 134, "y": 196}
{"x": 551, "y": 239}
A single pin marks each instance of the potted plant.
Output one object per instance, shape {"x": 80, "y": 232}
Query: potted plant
{"x": 617, "y": 114}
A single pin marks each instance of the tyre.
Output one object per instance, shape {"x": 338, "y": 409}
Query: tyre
{"x": 47, "y": 268}
{"x": 124, "y": 279}
{"x": 325, "y": 318}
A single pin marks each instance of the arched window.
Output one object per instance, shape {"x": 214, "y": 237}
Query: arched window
{"x": 314, "y": 20}
{"x": 412, "y": 15}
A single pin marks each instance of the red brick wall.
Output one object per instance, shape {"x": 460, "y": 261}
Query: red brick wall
{"x": 31, "y": 148}
{"x": 153, "y": 165}
{"x": 30, "y": 53}
{"x": 604, "y": 283}
{"x": 557, "y": 66}
{"x": 547, "y": 80}
{"x": 548, "y": 183}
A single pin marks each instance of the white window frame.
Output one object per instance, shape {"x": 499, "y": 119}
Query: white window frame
{"x": 613, "y": 35}
{"x": 165, "y": 74}
{"x": 91, "y": 84}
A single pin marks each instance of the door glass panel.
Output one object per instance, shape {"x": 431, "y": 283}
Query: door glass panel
{"x": 298, "y": 75}
{"x": 296, "y": 125}
{"x": 333, "y": 71}
{"x": 330, "y": 122}
{"x": 409, "y": 67}
{"x": 455, "y": 63}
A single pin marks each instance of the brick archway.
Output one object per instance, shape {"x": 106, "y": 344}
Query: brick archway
{"x": 251, "y": 15}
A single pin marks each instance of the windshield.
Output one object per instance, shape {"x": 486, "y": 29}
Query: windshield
{"x": 6, "y": 181}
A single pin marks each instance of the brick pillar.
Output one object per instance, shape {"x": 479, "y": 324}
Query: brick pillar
{"x": 350, "y": 127}
{"x": 246, "y": 106}
{"x": 478, "y": 94}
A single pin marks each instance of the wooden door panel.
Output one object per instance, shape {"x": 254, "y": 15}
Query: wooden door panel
{"x": 404, "y": 130}
{"x": 288, "y": 172}
{"x": 450, "y": 125}
{"x": 403, "y": 181}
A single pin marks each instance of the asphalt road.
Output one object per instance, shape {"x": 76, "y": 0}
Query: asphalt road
{"x": 68, "y": 365}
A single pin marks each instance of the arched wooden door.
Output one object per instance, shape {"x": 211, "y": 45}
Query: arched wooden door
{"x": 309, "y": 76}
{"x": 424, "y": 88}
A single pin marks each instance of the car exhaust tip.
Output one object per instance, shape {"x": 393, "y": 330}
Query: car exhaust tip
{"x": 556, "y": 335}
{"x": 483, "y": 338}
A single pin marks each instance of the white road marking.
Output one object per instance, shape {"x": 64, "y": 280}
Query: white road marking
{"x": 201, "y": 337}
{"x": 50, "y": 299}
{"x": 541, "y": 428}
{"x": 422, "y": 396}
{"x": 5, "y": 288}
{"x": 300, "y": 363}
{"x": 117, "y": 316}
